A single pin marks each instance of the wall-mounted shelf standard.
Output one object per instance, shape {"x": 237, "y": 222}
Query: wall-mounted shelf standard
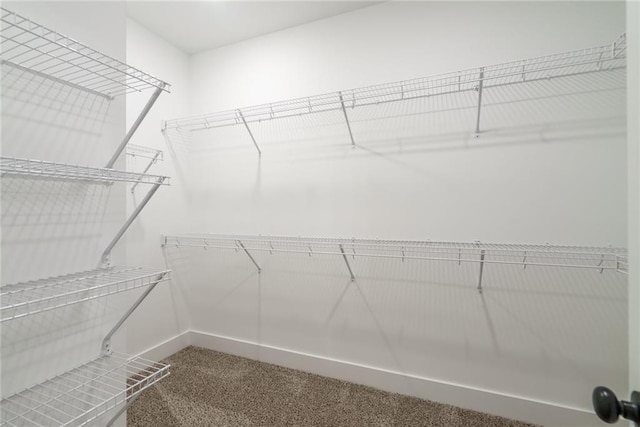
{"x": 79, "y": 396}
{"x": 22, "y": 299}
{"x": 587, "y": 61}
{"x": 36, "y": 48}
{"x": 49, "y": 170}
{"x": 594, "y": 258}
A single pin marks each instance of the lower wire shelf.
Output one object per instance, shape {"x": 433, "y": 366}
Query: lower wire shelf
{"x": 81, "y": 395}
{"x": 22, "y": 299}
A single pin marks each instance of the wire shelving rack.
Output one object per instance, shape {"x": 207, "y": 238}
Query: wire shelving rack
{"x": 43, "y": 51}
{"x": 23, "y": 299}
{"x": 45, "y": 169}
{"x": 81, "y": 395}
{"x": 593, "y": 258}
{"x": 143, "y": 152}
{"x": 580, "y": 62}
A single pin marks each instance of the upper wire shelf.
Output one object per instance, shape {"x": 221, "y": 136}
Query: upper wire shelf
{"x": 44, "y": 169}
{"x": 596, "y": 258}
{"x": 38, "y": 49}
{"x": 134, "y": 150}
{"x": 22, "y": 299}
{"x": 592, "y": 60}
{"x": 81, "y": 395}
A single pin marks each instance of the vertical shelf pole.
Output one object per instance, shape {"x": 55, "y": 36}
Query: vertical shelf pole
{"x": 346, "y": 117}
{"x": 135, "y": 125}
{"x": 480, "y": 84}
{"x": 344, "y": 256}
{"x": 250, "y": 134}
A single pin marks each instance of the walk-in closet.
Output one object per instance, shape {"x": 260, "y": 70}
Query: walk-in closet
{"x": 305, "y": 213}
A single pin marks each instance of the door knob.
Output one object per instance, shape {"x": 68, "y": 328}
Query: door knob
{"x": 609, "y": 408}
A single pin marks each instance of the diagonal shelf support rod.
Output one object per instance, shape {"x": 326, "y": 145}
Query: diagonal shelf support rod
{"x": 250, "y": 133}
{"x": 151, "y": 163}
{"x": 480, "y": 84}
{"x": 107, "y": 252}
{"x": 123, "y": 408}
{"x": 249, "y": 255}
{"x": 135, "y": 125}
{"x": 344, "y": 256}
{"x": 106, "y": 342}
{"x": 482, "y": 253}
{"x": 346, "y": 117}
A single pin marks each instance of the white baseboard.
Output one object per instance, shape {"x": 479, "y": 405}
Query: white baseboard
{"x": 168, "y": 347}
{"x": 488, "y": 401}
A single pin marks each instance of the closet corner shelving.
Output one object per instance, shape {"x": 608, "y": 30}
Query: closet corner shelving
{"x": 79, "y": 396}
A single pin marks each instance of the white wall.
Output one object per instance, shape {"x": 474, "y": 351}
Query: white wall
{"x": 55, "y": 227}
{"x": 168, "y": 209}
{"x": 550, "y": 170}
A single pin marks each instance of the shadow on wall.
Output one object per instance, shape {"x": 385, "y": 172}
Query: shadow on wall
{"x": 538, "y": 327}
{"x": 50, "y": 120}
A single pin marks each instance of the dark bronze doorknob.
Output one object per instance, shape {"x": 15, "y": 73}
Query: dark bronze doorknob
{"x": 609, "y": 408}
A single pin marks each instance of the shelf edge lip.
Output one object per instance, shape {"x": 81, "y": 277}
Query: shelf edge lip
{"x": 138, "y": 277}
{"x": 99, "y": 174}
{"x": 130, "y": 71}
{"x": 127, "y": 363}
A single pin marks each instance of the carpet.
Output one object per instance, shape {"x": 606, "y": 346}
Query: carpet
{"x": 209, "y": 388}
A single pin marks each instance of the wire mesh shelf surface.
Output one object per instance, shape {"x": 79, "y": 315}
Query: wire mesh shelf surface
{"x": 597, "y": 59}
{"x": 22, "y": 299}
{"x": 44, "y": 169}
{"x": 34, "y": 47}
{"x": 597, "y": 258}
{"x": 79, "y": 396}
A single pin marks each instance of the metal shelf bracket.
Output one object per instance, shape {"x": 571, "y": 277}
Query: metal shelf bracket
{"x": 480, "y": 84}
{"x": 482, "y": 253}
{"x": 250, "y": 133}
{"x": 249, "y": 255}
{"x": 346, "y": 118}
{"x": 344, "y": 256}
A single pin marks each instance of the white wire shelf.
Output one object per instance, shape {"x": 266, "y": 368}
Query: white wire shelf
{"x": 144, "y": 152}
{"x": 45, "y": 52}
{"x": 44, "y": 169}
{"x": 586, "y": 61}
{"x": 23, "y": 299}
{"x": 79, "y": 396}
{"x": 596, "y": 258}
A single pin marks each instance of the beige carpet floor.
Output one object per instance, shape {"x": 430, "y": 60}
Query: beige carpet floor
{"x": 208, "y": 388}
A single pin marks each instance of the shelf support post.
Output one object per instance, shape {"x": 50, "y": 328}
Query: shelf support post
{"x": 107, "y": 252}
{"x": 480, "y": 84}
{"x": 151, "y": 163}
{"x": 346, "y": 117}
{"x": 135, "y": 125}
{"x": 246, "y": 125}
{"x": 344, "y": 256}
{"x": 106, "y": 342}
{"x": 249, "y": 255}
{"x": 482, "y": 252}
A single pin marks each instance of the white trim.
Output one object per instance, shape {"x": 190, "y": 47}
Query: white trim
{"x": 469, "y": 397}
{"x": 167, "y": 348}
